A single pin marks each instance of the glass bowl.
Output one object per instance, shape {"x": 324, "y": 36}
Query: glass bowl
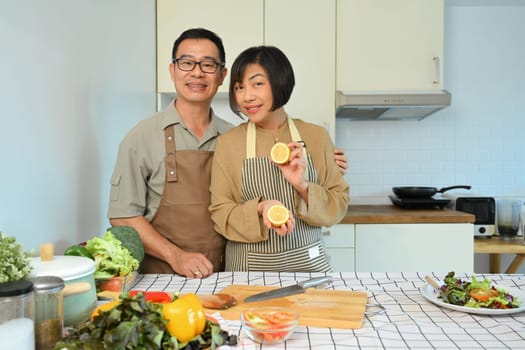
{"x": 269, "y": 325}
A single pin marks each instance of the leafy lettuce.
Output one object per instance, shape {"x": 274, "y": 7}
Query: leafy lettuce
{"x": 111, "y": 258}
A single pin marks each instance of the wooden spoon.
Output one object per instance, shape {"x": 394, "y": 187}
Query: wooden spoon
{"x": 432, "y": 282}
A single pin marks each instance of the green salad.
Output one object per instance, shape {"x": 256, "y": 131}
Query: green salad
{"x": 476, "y": 293}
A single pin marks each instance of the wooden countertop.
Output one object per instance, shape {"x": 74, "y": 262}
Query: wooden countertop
{"x": 390, "y": 214}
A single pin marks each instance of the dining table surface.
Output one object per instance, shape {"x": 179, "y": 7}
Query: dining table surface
{"x": 406, "y": 319}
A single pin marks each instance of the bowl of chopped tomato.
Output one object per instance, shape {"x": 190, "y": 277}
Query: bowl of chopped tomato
{"x": 269, "y": 325}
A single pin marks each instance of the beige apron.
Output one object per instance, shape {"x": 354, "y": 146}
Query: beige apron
{"x": 183, "y": 216}
{"x": 302, "y": 250}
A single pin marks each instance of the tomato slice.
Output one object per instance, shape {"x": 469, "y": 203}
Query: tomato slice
{"x": 279, "y": 317}
{"x": 481, "y": 294}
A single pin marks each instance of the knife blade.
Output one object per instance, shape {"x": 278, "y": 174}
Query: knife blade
{"x": 289, "y": 290}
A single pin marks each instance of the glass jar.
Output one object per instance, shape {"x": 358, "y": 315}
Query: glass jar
{"x": 17, "y": 331}
{"x": 49, "y": 316}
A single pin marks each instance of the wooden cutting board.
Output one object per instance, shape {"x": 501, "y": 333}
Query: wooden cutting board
{"x": 317, "y": 307}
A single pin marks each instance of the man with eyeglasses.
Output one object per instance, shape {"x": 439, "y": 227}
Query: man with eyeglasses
{"x": 160, "y": 184}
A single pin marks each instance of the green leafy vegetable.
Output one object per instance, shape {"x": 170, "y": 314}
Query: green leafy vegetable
{"x": 78, "y": 250}
{"x": 476, "y": 293}
{"x": 15, "y": 264}
{"x": 130, "y": 240}
{"x": 138, "y": 324}
{"x": 111, "y": 258}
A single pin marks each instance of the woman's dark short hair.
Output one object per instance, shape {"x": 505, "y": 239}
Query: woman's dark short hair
{"x": 199, "y": 33}
{"x": 277, "y": 66}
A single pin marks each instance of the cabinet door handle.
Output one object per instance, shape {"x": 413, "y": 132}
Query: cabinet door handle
{"x": 437, "y": 75}
{"x": 325, "y": 232}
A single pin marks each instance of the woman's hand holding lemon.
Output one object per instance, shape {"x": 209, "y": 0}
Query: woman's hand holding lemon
{"x": 275, "y": 215}
{"x": 289, "y": 158}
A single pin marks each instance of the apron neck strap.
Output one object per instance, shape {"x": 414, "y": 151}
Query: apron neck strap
{"x": 251, "y": 136}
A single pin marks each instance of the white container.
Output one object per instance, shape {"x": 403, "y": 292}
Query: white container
{"x": 18, "y": 334}
{"x": 17, "y": 330}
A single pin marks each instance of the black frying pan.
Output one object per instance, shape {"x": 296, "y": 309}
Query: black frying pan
{"x": 422, "y": 192}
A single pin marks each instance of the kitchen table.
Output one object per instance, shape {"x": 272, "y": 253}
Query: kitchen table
{"x": 495, "y": 246}
{"x": 409, "y": 320}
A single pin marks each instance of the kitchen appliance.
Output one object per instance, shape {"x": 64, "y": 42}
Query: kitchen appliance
{"x": 483, "y": 208}
{"x": 376, "y": 106}
{"x": 419, "y": 203}
{"x": 290, "y": 290}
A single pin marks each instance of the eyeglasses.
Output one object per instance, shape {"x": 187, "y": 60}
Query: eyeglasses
{"x": 188, "y": 65}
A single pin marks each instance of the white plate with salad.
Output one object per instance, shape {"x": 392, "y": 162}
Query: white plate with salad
{"x": 475, "y": 296}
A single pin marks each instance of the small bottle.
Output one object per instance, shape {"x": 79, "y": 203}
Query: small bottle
{"x": 17, "y": 331}
{"x": 49, "y": 317}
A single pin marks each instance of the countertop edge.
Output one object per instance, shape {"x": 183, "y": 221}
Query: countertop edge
{"x": 390, "y": 214}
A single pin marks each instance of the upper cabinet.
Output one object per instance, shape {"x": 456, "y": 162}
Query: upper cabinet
{"x": 239, "y": 23}
{"x": 385, "y": 45}
{"x": 305, "y": 32}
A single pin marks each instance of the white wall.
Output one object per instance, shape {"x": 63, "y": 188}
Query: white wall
{"x": 478, "y": 141}
{"x": 75, "y": 76}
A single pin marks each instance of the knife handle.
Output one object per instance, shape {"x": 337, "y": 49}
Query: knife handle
{"x": 316, "y": 282}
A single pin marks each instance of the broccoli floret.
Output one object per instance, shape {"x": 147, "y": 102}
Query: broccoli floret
{"x": 130, "y": 240}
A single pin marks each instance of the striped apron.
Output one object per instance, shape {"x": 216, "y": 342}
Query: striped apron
{"x": 300, "y": 251}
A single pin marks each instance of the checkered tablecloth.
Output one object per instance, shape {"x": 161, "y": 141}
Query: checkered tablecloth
{"x": 409, "y": 322}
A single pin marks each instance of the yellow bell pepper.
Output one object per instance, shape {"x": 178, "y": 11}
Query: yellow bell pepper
{"x": 185, "y": 316}
{"x": 104, "y": 307}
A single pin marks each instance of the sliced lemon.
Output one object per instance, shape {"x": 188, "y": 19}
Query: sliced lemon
{"x": 280, "y": 153}
{"x": 278, "y": 215}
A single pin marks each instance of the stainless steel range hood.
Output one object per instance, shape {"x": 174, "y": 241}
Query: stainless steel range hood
{"x": 377, "y": 106}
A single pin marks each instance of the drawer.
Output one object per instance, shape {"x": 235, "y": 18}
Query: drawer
{"x": 339, "y": 236}
{"x": 341, "y": 259}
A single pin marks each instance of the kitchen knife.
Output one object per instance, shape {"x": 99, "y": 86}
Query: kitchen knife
{"x": 290, "y": 290}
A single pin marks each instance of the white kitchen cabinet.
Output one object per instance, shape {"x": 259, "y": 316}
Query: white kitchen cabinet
{"x": 385, "y": 45}
{"x": 339, "y": 246}
{"x": 239, "y": 23}
{"x": 308, "y": 41}
{"x": 305, "y": 32}
{"x": 414, "y": 247}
